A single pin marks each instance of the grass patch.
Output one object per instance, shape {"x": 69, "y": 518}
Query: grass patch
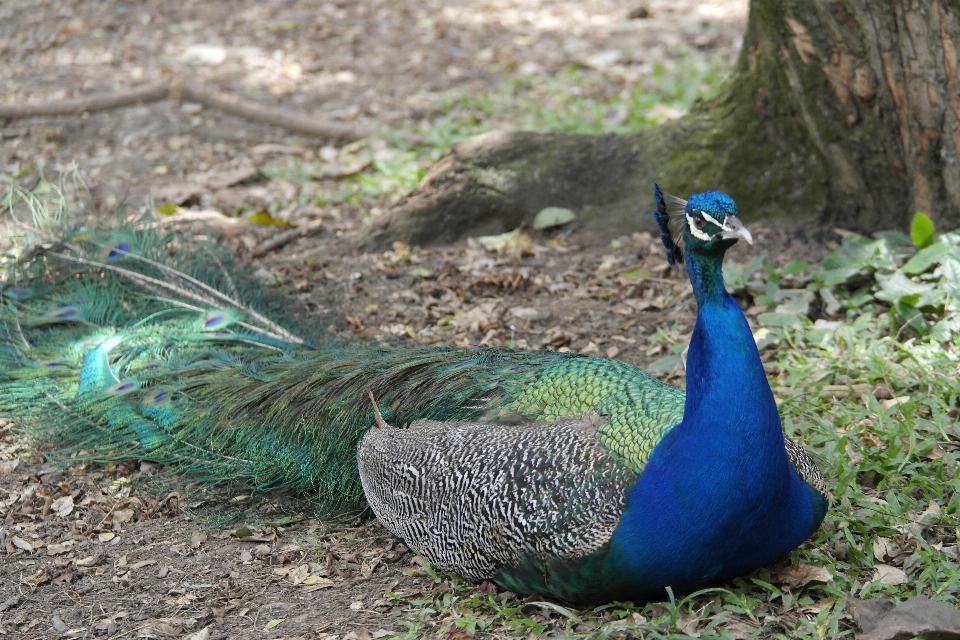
{"x": 578, "y": 100}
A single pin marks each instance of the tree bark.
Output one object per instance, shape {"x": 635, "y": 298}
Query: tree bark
{"x": 848, "y": 110}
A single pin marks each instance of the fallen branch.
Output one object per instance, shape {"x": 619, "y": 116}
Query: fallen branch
{"x": 179, "y": 91}
{"x": 277, "y": 117}
{"x": 96, "y": 102}
{"x": 282, "y": 239}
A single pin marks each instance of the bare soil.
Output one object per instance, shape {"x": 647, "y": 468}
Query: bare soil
{"x": 90, "y": 551}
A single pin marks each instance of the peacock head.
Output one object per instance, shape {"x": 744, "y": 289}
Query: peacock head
{"x": 707, "y": 224}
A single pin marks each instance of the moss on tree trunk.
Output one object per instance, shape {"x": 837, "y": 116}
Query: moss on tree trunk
{"x": 848, "y": 110}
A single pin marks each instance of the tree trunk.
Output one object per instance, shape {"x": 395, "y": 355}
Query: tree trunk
{"x": 848, "y": 110}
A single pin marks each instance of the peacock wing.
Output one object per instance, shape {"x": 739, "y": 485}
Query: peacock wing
{"x": 482, "y": 498}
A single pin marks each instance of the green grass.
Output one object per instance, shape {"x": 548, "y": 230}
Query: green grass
{"x": 575, "y": 99}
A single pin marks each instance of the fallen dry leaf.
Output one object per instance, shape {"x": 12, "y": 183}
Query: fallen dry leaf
{"x": 271, "y": 624}
{"x": 58, "y": 624}
{"x": 203, "y": 634}
{"x": 799, "y": 575}
{"x": 529, "y": 314}
{"x": 58, "y": 548}
{"x": 931, "y": 514}
{"x": 36, "y": 579}
{"x": 882, "y": 549}
{"x": 123, "y": 515}
{"x": 158, "y": 630}
{"x": 688, "y": 624}
{"x": 89, "y": 561}
{"x": 197, "y": 538}
{"x": 890, "y": 575}
{"x": 62, "y": 507}
{"x": 893, "y": 402}
{"x": 870, "y": 440}
{"x": 740, "y": 630}
{"x": 230, "y": 227}
{"x": 366, "y": 570}
{"x": 313, "y": 583}
{"x": 22, "y": 544}
{"x": 511, "y": 241}
{"x": 819, "y": 605}
{"x": 8, "y": 466}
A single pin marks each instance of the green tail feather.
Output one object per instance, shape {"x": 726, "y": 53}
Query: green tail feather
{"x": 105, "y": 319}
{"x": 170, "y": 353}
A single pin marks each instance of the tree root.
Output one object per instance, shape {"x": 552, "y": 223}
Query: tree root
{"x": 179, "y": 90}
{"x": 282, "y": 239}
{"x": 499, "y": 181}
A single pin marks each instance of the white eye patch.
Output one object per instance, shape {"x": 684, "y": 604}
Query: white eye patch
{"x": 708, "y": 218}
{"x": 697, "y": 233}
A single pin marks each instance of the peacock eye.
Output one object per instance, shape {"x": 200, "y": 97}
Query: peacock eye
{"x": 699, "y": 223}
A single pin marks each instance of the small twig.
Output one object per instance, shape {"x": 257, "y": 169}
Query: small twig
{"x": 311, "y": 228}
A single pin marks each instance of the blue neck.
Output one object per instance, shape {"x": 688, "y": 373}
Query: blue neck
{"x": 718, "y": 496}
{"x": 725, "y": 377}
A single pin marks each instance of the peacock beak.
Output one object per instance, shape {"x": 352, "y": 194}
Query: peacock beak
{"x": 733, "y": 229}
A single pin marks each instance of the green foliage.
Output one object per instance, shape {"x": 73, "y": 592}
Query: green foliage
{"x": 885, "y": 273}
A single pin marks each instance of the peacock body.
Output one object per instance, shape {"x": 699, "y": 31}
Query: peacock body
{"x": 553, "y": 473}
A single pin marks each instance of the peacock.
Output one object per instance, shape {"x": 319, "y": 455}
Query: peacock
{"x": 578, "y": 478}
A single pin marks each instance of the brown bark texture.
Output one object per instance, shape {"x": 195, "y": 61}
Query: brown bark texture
{"x": 847, "y": 110}
{"x": 878, "y": 85}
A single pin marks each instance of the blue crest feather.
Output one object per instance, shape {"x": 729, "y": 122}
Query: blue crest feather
{"x": 662, "y": 216}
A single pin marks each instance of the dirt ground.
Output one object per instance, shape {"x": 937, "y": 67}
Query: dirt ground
{"x": 372, "y": 62}
{"x": 91, "y": 551}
